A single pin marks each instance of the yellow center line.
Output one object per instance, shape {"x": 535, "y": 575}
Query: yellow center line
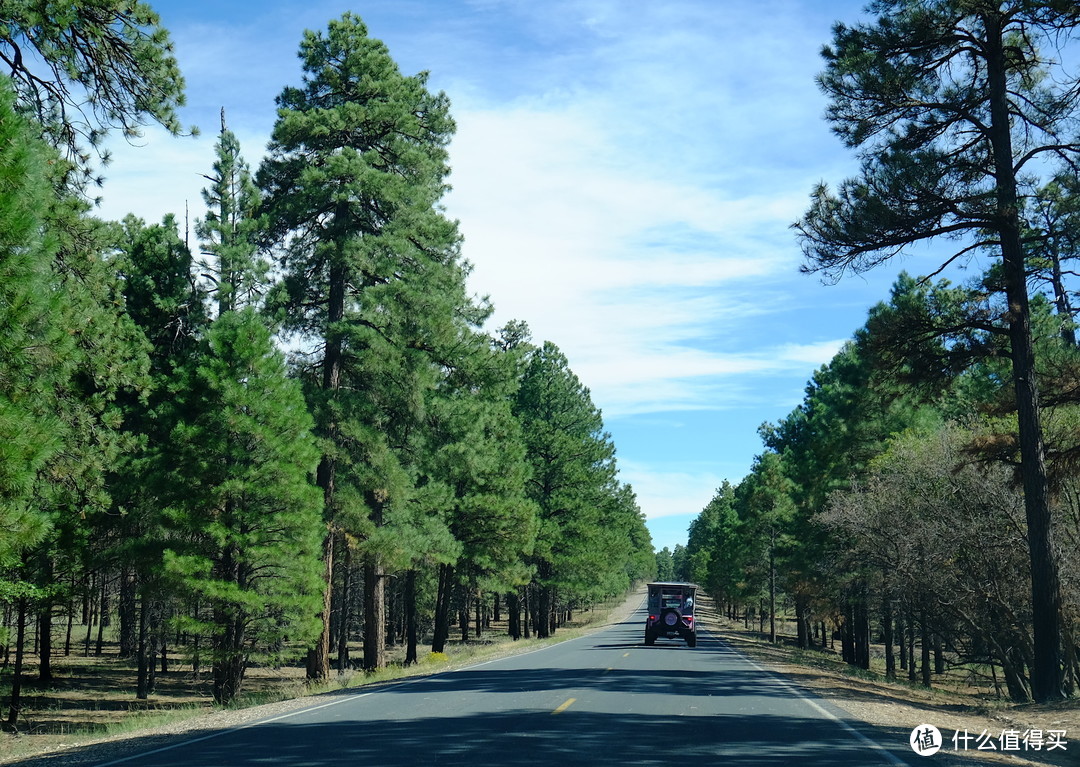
{"x": 564, "y": 706}
{"x": 626, "y": 655}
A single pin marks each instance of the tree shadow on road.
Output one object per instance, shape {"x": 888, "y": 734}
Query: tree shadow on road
{"x": 515, "y": 738}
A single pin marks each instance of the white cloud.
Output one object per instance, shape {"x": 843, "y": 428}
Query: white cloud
{"x": 632, "y": 274}
{"x": 665, "y": 493}
{"x": 159, "y": 173}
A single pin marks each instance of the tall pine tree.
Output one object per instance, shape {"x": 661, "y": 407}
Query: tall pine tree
{"x": 243, "y": 518}
{"x": 356, "y": 169}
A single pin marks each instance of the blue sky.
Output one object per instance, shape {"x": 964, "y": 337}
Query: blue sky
{"x": 625, "y": 174}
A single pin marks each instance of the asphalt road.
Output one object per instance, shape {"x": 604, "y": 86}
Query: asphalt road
{"x": 603, "y": 699}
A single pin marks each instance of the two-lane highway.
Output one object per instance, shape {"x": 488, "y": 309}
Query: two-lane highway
{"x": 603, "y": 699}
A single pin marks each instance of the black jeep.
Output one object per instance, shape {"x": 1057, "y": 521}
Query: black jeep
{"x": 671, "y": 612}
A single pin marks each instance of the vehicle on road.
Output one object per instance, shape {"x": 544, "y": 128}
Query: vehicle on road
{"x": 671, "y": 612}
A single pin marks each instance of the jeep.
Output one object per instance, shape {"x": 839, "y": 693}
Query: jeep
{"x": 671, "y": 612}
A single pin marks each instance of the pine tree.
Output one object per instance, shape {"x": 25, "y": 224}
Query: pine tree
{"x": 164, "y": 302}
{"x": 69, "y": 351}
{"x": 34, "y": 350}
{"x": 83, "y": 69}
{"x": 34, "y": 361}
{"x": 476, "y": 451}
{"x": 356, "y": 170}
{"x": 243, "y": 516}
{"x": 231, "y": 227}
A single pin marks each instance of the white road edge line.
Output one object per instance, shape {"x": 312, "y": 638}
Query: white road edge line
{"x": 779, "y": 679}
{"x": 346, "y": 697}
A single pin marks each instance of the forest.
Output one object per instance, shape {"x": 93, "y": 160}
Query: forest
{"x": 288, "y": 430}
{"x": 923, "y": 497}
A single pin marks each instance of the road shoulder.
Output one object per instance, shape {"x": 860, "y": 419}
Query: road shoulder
{"x": 896, "y": 709}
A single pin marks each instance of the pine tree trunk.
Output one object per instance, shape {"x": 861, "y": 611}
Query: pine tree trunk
{"x": 513, "y": 614}
{"x": 318, "y": 661}
{"x": 318, "y": 658}
{"x": 901, "y": 644}
{"x": 103, "y": 615}
{"x": 142, "y": 687}
{"x": 1047, "y": 681}
{"x": 442, "y": 609}
{"x": 847, "y": 634}
{"x": 374, "y": 616}
{"x": 411, "y": 623}
{"x": 463, "y": 613}
{"x": 543, "y": 613}
{"x": 924, "y": 646}
{"x": 802, "y": 621}
{"x": 1061, "y": 299}
{"x": 772, "y": 592}
{"x": 15, "y": 704}
{"x": 344, "y": 611}
{"x": 862, "y": 631}
{"x": 527, "y": 616}
{"x": 45, "y": 644}
{"x": 912, "y": 670}
{"x": 129, "y": 616}
{"x": 887, "y": 630}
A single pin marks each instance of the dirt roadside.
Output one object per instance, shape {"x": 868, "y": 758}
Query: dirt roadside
{"x": 896, "y": 709}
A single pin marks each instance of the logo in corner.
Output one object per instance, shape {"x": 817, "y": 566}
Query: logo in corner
{"x": 925, "y": 740}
